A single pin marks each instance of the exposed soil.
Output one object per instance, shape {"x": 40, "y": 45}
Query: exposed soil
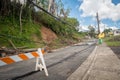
{"x": 116, "y": 50}
{"x": 48, "y": 35}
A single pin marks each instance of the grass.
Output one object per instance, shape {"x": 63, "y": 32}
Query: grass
{"x": 31, "y": 36}
{"x": 11, "y": 32}
{"x": 113, "y": 44}
{"x": 113, "y": 41}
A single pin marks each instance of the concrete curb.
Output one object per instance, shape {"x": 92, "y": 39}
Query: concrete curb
{"x": 84, "y": 69}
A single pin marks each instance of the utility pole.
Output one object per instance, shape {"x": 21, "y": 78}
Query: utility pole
{"x": 98, "y": 22}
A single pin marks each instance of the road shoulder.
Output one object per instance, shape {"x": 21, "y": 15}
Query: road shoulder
{"x": 102, "y": 64}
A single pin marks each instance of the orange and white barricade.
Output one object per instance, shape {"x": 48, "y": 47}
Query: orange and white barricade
{"x": 40, "y": 63}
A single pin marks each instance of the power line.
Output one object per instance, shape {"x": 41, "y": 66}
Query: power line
{"x": 48, "y": 13}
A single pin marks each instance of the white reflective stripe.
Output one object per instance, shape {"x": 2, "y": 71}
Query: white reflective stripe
{"x": 38, "y": 53}
{"x": 29, "y": 55}
{"x": 16, "y": 58}
{"x": 2, "y": 63}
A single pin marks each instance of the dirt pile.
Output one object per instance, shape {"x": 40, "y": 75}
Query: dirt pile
{"x": 48, "y": 35}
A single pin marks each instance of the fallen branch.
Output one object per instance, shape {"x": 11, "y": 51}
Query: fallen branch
{"x": 12, "y": 44}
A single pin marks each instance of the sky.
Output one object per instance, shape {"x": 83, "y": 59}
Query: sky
{"x": 85, "y": 12}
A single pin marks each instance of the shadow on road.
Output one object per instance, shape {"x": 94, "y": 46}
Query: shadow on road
{"x": 34, "y": 72}
{"x": 116, "y": 50}
{"x": 25, "y": 75}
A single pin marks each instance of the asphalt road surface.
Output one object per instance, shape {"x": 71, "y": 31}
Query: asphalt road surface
{"x": 60, "y": 64}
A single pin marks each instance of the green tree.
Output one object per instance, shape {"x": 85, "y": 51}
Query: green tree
{"x": 4, "y": 7}
{"x": 73, "y": 23}
{"x": 91, "y": 31}
{"x": 106, "y": 31}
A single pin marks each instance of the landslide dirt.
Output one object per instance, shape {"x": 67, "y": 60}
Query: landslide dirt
{"x": 48, "y": 35}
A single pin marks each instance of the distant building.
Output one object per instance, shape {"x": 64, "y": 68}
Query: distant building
{"x": 116, "y": 32}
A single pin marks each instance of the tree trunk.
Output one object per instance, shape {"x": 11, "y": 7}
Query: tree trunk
{"x": 49, "y": 5}
{"x": 20, "y": 17}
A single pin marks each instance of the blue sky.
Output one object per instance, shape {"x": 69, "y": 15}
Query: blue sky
{"x": 84, "y": 11}
{"x": 116, "y": 1}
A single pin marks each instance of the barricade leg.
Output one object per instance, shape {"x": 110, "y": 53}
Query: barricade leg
{"x": 40, "y": 63}
{"x": 36, "y": 67}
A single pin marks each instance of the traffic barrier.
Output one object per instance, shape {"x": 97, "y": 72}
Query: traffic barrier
{"x": 40, "y": 63}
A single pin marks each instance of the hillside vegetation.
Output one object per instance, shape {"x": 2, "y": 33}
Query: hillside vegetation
{"x": 20, "y": 26}
{"x": 113, "y": 41}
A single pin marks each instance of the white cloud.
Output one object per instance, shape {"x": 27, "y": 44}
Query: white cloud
{"x": 113, "y": 28}
{"x": 83, "y": 28}
{"x": 105, "y": 26}
{"x": 102, "y": 27}
{"x": 105, "y": 8}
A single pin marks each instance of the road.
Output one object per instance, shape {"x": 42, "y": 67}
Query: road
{"x": 60, "y": 64}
